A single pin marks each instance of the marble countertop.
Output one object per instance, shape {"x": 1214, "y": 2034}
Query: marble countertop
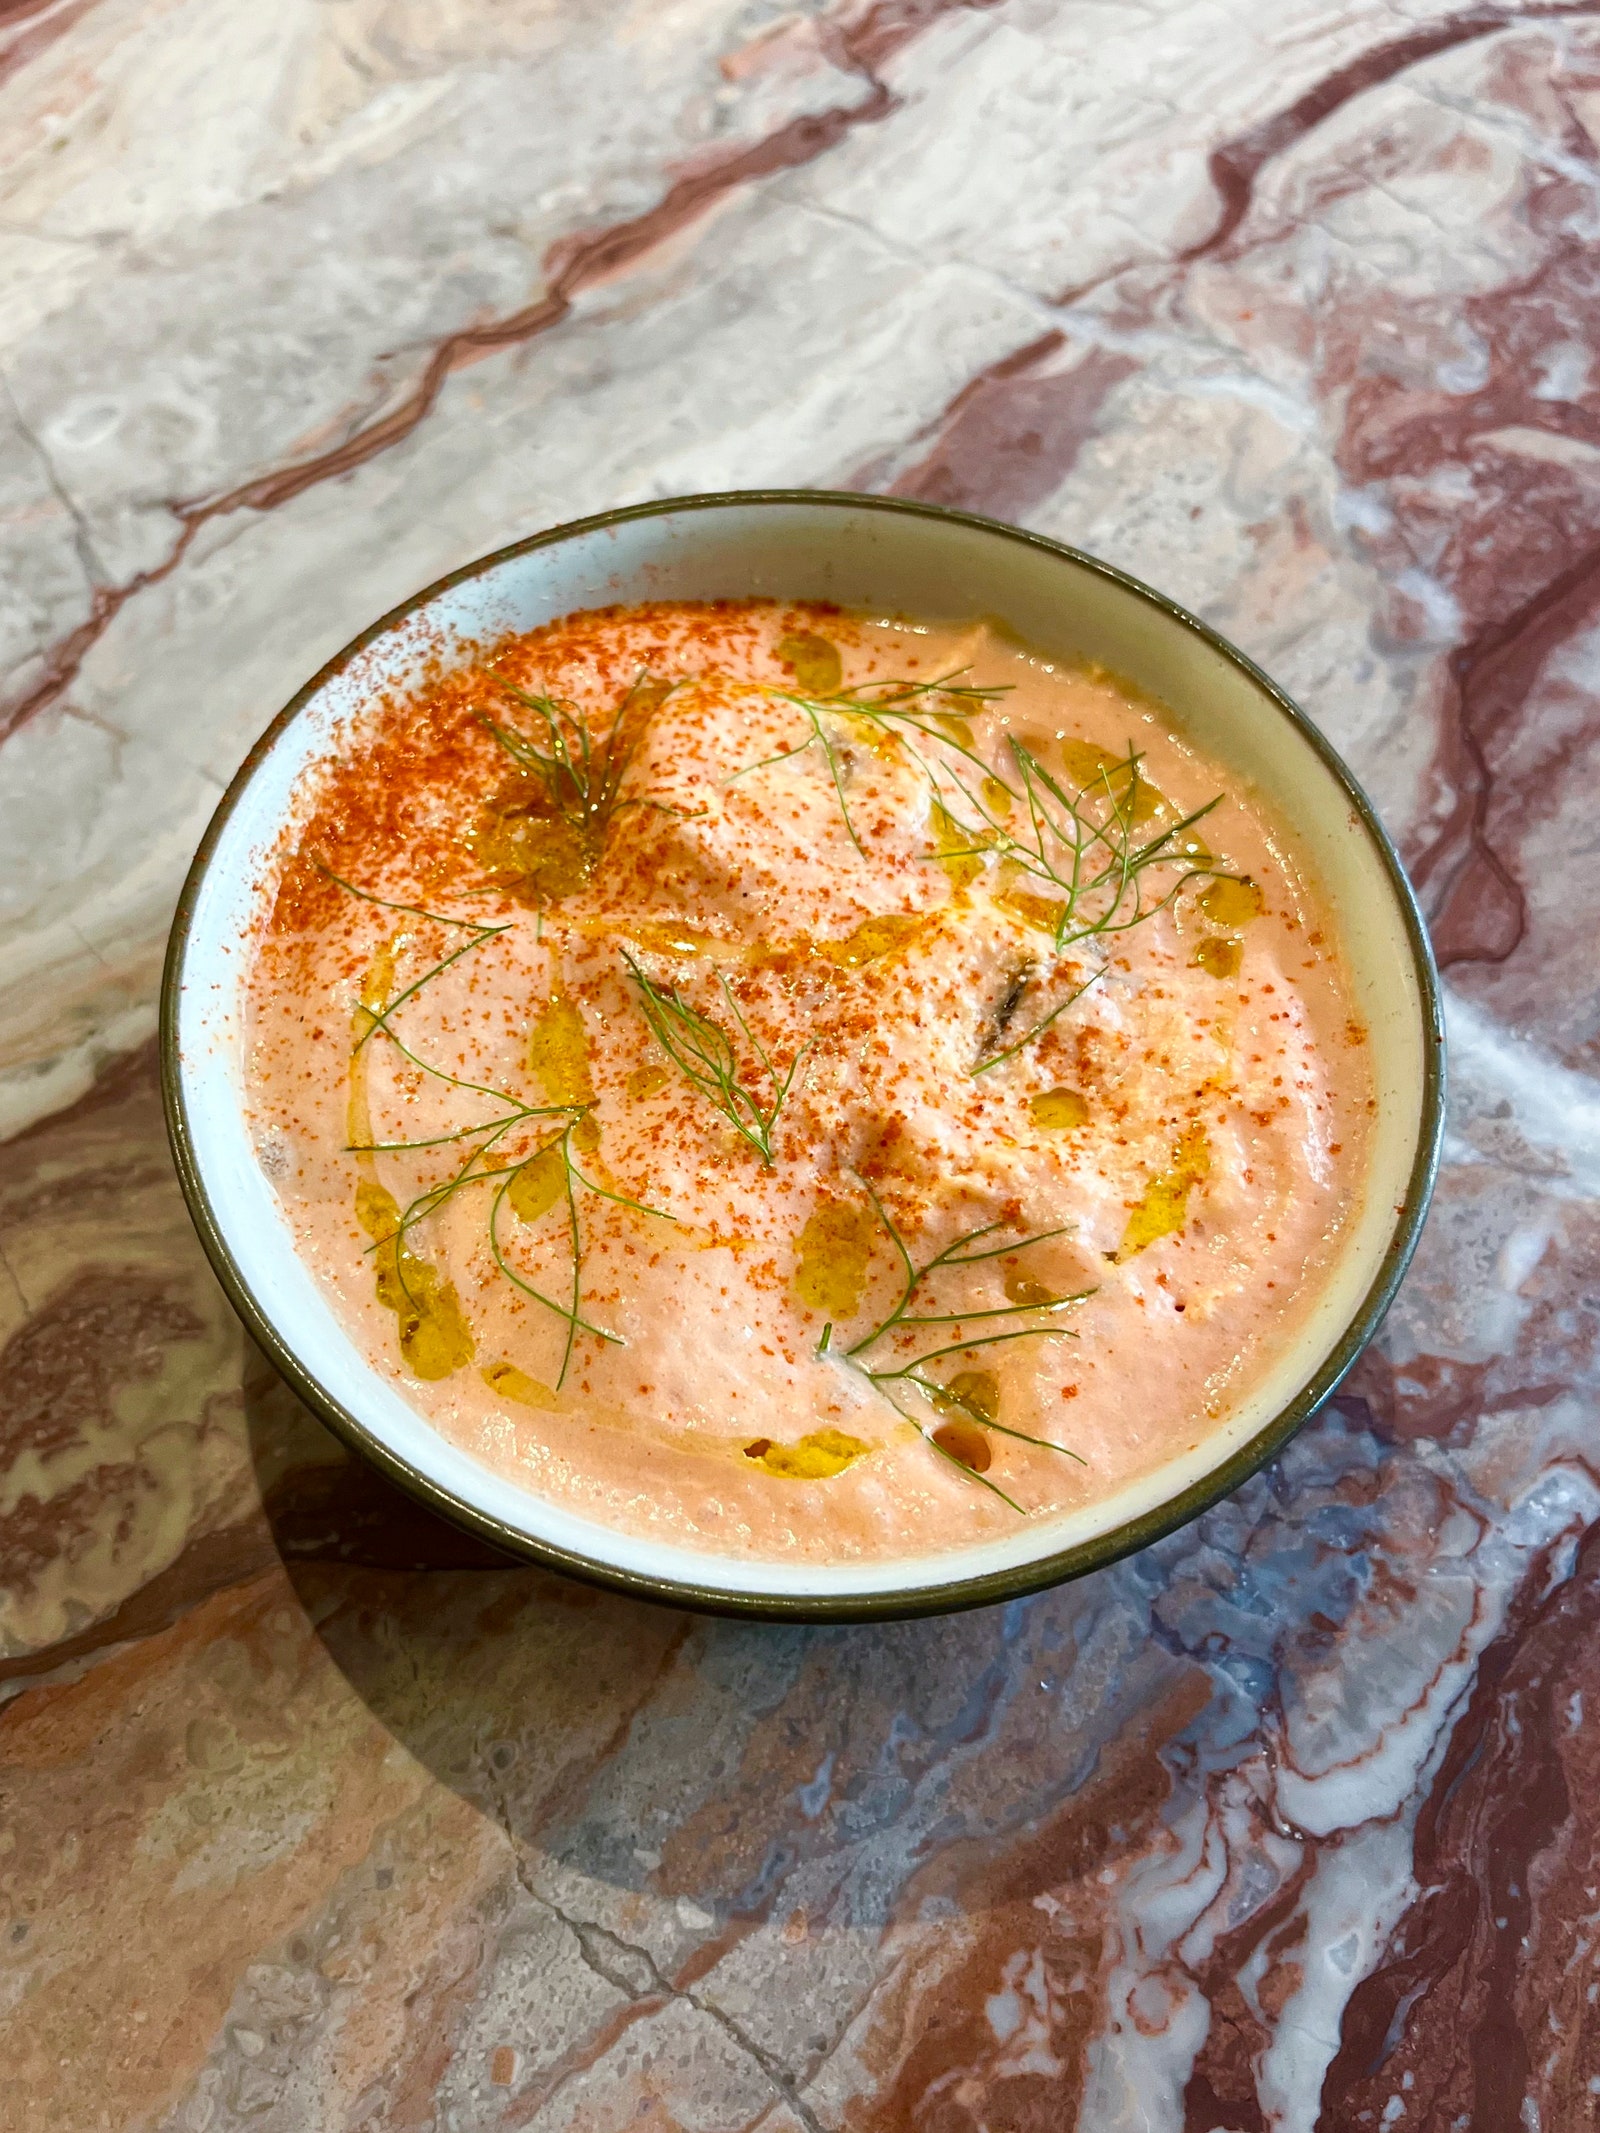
{"x": 311, "y": 1816}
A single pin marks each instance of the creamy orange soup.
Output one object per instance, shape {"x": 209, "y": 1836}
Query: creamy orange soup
{"x": 801, "y": 1084}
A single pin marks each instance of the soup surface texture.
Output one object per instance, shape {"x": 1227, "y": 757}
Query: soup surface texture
{"x": 798, "y": 1084}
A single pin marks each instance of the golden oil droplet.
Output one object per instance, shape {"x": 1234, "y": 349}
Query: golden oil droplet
{"x": 1058, "y": 1110}
{"x": 872, "y": 939}
{"x": 976, "y": 1390}
{"x": 1098, "y": 774}
{"x": 1163, "y": 1207}
{"x": 953, "y": 847}
{"x": 835, "y": 1253}
{"x": 1037, "y": 911}
{"x": 817, "y": 1457}
{"x": 813, "y": 661}
{"x": 1232, "y": 904}
{"x": 534, "y": 1189}
{"x": 1218, "y": 957}
{"x": 1023, "y": 1289}
{"x": 514, "y": 1384}
{"x": 558, "y": 1053}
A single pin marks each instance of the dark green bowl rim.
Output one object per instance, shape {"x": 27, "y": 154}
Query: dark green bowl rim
{"x": 957, "y": 1593}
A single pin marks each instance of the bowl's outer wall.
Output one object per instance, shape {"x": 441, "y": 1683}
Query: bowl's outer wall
{"x": 885, "y": 557}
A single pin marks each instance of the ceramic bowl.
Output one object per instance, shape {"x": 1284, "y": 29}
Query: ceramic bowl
{"x": 882, "y": 556}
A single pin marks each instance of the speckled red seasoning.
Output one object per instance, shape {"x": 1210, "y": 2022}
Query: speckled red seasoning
{"x": 639, "y": 1004}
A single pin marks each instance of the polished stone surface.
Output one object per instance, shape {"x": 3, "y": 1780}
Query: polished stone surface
{"x": 312, "y": 1817}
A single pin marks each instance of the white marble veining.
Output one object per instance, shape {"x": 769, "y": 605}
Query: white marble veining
{"x": 1287, "y": 1823}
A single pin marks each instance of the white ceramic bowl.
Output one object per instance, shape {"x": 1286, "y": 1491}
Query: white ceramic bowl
{"x": 882, "y": 556}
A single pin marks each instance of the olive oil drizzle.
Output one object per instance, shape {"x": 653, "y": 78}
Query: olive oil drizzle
{"x": 488, "y": 1134}
{"x": 901, "y": 1319}
{"x": 580, "y": 775}
{"x": 1081, "y": 843}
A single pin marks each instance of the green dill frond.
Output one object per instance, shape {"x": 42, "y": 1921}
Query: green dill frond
{"x": 439, "y": 918}
{"x": 581, "y": 775}
{"x": 571, "y": 1313}
{"x": 881, "y": 703}
{"x": 704, "y": 1054}
{"x": 1081, "y": 853}
{"x": 887, "y": 1378}
{"x": 477, "y": 1171}
{"x": 486, "y": 1136}
{"x": 1087, "y": 865}
{"x": 377, "y": 1018}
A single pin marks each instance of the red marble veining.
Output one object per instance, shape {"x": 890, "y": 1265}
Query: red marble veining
{"x": 29, "y": 27}
{"x": 1010, "y": 437}
{"x": 1222, "y": 2088}
{"x": 1556, "y": 1349}
{"x": 1487, "y": 1993}
{"x": 61, "y": 1372}
{"x": 1038, "y": 1904}
{"x": 1484, "y": 1993}
{"x": 1521, "y": 599}
{"x": 1237, "y": 165}
{"x": 236, "y": 1682}
{"x": 859, "y": 44}
{"x": 1520, "y": 558}
{"x": 312, "y": 1811}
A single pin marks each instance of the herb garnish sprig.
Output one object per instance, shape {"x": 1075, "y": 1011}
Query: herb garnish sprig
{"x": 1081, "y": 847}
{"x": 882, "y": 704}
{"x": 704, "y": 1055}
{"x": 377, "y": 1018}
{"x": 901, "y": 1319}
{"x": 581, "y": 776}
{"x": 571, "y": 1180}
{"x": 488, "y": 1135}
{"x": 504, "y": 1176}
{"x": 1085, "y": 845}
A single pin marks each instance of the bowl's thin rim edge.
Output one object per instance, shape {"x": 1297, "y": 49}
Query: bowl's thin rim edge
{"x": 991, "y": 1588}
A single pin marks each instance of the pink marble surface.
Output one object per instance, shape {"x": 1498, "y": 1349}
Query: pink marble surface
{"x": 314, "y": 1819}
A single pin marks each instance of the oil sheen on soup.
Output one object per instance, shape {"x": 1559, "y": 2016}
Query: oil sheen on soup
{"x": 798, "y": 1084}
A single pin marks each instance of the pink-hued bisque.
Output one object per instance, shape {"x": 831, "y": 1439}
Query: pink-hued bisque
{"x": 1175, "y": 1112}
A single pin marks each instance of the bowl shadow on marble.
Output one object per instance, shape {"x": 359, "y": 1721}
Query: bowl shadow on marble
{"x": 326, "y": 1505}
{"x": 455, "y": 1649}
{"x": 549, "y": 1704}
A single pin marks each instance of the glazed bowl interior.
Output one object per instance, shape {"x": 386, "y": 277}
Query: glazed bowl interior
{"x": 883, "y": 558}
